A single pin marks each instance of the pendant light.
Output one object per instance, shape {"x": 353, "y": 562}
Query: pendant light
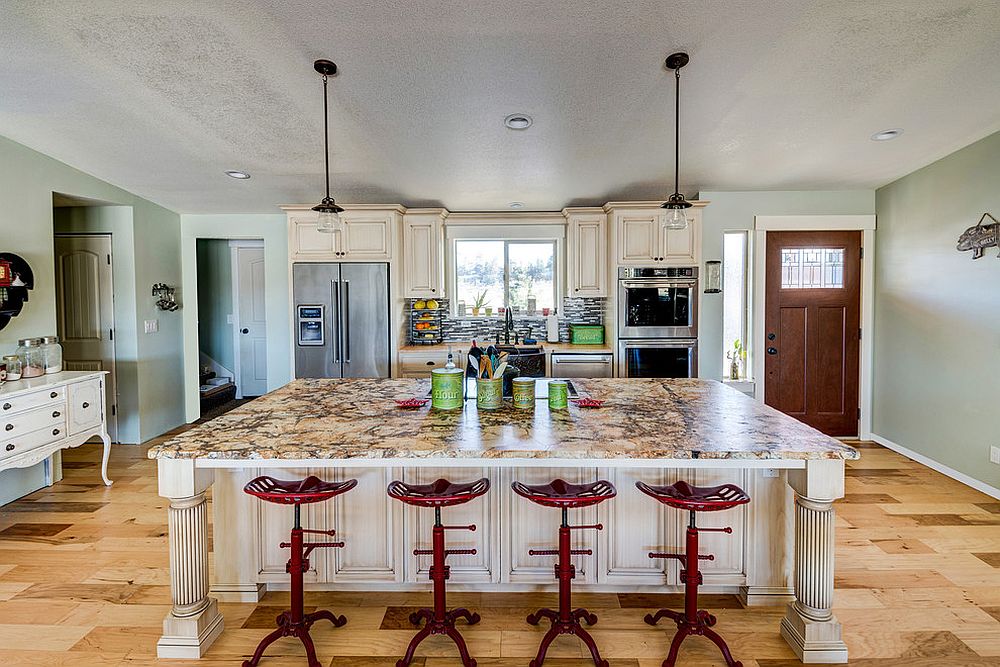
{"x": 329, "y": 212}
{"x": 675, "y": 204}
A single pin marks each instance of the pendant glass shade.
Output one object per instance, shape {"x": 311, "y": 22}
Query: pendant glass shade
{"x": 675, "y": 219}
{"x": 329, "y": 221}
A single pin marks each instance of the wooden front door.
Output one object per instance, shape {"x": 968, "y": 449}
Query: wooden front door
{"x": 812, "y": 328}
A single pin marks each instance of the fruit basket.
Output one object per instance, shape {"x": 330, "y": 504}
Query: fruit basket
{"x": 426, "y": 318}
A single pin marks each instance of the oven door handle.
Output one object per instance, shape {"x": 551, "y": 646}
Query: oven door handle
{"x": 658, "y": 283}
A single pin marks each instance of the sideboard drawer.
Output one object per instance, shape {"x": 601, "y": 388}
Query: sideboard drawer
{"x": 12, "y": 446}
{"x": 85, "y": 400}
{"x": 35, "y": 399}
{"x": 52, "y": 417}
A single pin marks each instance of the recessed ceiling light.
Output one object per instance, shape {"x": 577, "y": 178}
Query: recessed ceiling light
{"x": 886, "y": 135}
{"x": 233, "y": 173}
{"x": 516, "y": 204}
{"x": 518, "y": 121}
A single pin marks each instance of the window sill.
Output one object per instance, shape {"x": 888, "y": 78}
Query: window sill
{"x": 748, "y": 387}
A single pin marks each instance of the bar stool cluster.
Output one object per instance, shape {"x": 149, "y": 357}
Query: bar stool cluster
{"x": 439, "y": 620}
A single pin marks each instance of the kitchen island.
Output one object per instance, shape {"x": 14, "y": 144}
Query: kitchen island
{"x": 781, "y": 549}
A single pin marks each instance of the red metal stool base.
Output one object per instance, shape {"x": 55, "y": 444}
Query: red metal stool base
{"x": 295, "y": 622}
{"x": 565, "y": 620}
{"x": 693, "y": 621}
{"x": 439, "y": 621}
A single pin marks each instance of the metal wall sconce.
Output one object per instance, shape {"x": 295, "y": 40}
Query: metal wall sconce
{"x": 165, "y": 299}
{"x": 713, "y": 277}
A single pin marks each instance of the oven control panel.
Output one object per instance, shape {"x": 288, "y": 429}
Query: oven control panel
{"x": 627, "y": 272}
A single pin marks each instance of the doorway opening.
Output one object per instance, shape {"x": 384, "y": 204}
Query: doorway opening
{"x": 232, "y": 337}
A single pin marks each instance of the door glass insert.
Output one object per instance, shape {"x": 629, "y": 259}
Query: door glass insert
{"x": 812, "y": 268}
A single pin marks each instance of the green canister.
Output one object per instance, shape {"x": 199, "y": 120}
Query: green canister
{"x": 447, "y": 386}
{"x": 489, "y": 393}
{"x": 558, "y": 394}
{"x": 524, "y": 393}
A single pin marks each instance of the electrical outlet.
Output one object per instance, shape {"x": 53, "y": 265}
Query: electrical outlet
{"x": 995, "y": 454}
{"x": 151, "y": 326}
{"x": 770, "y": 472}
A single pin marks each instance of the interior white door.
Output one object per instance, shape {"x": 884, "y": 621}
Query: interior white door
{"x": 251, "y": 321}
{"x": 85, "y": 318}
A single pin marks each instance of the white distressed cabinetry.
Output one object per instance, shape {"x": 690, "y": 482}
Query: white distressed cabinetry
{"x": 586, "y": 252}
{"x": 423, "y": 253}
{"x": 368, "y": 235}
{"x": 641, "y": 240}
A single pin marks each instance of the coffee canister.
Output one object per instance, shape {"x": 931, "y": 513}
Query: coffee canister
{"x": 447, "y": 385}
{"x": 489, "y": 393}
{"x": 524, "y": 393}
{"x": 558, "y": 394}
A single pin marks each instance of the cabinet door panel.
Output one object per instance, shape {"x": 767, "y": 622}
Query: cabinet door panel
{"x": 588, "y": 256}
{"x": 275, "y": 522}
{"x": 678, "y": 245}
{"x": 727, "y": 548}
{"x": 369, "y": 522}
{"x": 308, "y": 243}
{"x": 531, "y": 526}
{"x": 85, "y": 400}
{"x": 638, "y": 237}
{"x": 634, "y": 525}
{"x": 480, "y": 567}
{"x": 366, "y": 236}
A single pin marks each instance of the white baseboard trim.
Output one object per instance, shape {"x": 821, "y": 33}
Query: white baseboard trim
{"x": 939, "y": 467}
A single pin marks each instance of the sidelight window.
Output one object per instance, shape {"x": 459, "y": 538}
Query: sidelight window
{"x": 735, "y": 286}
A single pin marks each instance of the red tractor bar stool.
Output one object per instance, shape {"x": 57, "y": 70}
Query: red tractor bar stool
{"x": 694, "y": 499}
{"x": 295, "y": 622}
{"x": 565, "y": 621}
{"x": 439, "y": 621}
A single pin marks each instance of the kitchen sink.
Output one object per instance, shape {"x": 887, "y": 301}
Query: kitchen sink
{"x": 520, "y": 349}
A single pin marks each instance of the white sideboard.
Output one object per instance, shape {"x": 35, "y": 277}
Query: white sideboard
{"x": 40, "y": 416}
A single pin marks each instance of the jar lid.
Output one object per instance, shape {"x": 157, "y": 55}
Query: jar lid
{"x": 10, "y": 357}
{"x": 29, "y": 342}
{"x": 48, "y": 340}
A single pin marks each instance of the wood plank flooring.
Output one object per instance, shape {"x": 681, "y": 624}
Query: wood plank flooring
{"x": 83, "y": 582}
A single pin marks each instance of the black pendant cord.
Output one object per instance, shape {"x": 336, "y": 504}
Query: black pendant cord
{"x": 677, "y": 130}
{"x": 326, "y": 137}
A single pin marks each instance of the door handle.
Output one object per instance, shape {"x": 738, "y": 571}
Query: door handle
{"x": 347, "y": 321}
{"x": 772, "y": 350}
{"x": 336, "y": 320}
{"x": 244, "y": 331}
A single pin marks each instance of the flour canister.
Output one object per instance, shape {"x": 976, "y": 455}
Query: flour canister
{"x": 524, "y": 393}
{"x": 558, "y": 394}
{"x": 447, "y": 385}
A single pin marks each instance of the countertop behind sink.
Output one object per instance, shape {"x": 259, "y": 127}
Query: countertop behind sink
{"x": 548, "y": 348}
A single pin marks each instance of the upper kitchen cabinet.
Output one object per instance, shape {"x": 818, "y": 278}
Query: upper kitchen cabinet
{"x": 586, "y": 252}
{"x": 423, "y": 253}
{"x": 369, "y": 234}
{"x": 641, "y": 240}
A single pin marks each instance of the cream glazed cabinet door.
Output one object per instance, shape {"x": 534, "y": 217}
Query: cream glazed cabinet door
{"x": 638, "y": 232}
{"x": 368, "y": 234}
{"x": 587, "y": 251}
{"x": 634, "y": 525}
{"x": 306, "y": 244}
{"x": 682, "y": 247}
{"x": 728, "y": 568}
{"x": 423, "y": 254}
{"x": 483, "y": 567}
{"x": 530, "y": 526}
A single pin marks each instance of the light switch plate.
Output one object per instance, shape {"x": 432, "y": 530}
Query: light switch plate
{"x": 229, "y": 318}
{"x": 151, "y": 326}
{"x": 770, "y": 472}
{"x": 995, "y": 454}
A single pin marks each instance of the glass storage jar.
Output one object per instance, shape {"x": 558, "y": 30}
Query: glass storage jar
{"x": 32, "y": 357}
{"x": 13, "y": 363}
{"x": 52, "y": 353}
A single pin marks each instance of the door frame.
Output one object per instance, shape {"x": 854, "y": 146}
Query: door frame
{"x": 234, "y": 246}
{"x": 818, "y": 223}
{"x": 111, "y": 411}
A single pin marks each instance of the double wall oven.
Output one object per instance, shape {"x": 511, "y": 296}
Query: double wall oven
{"x": 658, "y": 322}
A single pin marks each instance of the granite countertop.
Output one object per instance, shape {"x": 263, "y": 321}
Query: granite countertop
{"x": 463, "y": 346}
{"x": 641, "y": 419}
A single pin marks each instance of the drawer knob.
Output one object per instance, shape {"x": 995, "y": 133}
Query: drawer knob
{"x": 55, "y": 431}
{"x": 7, "y": 406}
{"x": 430, "y": 363}
{"x": 86, "y": 405}
{"x": 55, "y": 413}
{"x": 54, "y": 394}
{"x": 9, "y": 427}
{"x": 10, "y": 448}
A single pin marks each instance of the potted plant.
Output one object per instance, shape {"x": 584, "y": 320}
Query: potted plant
{"x": 737, "y": 356}
{"x": 478, "y": 303}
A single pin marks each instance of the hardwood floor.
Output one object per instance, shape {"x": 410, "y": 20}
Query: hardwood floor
{"x": 83, "y": 581}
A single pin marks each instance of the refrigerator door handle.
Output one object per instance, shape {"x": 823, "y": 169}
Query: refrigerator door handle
{"x": 335, "y": 318}
{"x": 346, "y": 312}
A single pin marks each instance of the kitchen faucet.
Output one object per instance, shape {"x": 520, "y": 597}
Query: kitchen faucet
{"x": 508, "y": 326}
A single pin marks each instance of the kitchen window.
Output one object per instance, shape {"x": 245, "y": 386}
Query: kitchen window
{"x": 494, "y": 273}
{"x": 734, "y": 297}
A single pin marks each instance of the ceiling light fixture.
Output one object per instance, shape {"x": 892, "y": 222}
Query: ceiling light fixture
{"x": 329, "y": 213}
{"x": 516, "y": 204}
{"x": 676, "y": 203}
{"x": 886, "y": 135}
{"x": 241, "y": 175}
{"x": 518, "y": 121}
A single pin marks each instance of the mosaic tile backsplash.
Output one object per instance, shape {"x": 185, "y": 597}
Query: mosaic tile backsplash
{"x": 574, "y": 311}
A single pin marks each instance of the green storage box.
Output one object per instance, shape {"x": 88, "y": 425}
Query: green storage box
{"x": 586, "y": 334}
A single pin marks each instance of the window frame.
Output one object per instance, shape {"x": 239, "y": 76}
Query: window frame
{"x": 523, "y": 233}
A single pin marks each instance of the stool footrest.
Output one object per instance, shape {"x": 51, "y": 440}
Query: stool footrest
{"x": 460, "y": 552}
{"x": 680, "y": 557}
{"x": 471, "y": 527}
{"x": 555, "y": 552}
{"x": 331, "y": 533}
{"x": 593, "y": 526}
{"x": 727, "y": 529}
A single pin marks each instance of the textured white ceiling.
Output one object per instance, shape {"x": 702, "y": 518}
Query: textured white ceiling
{"x": 160, "y": 97}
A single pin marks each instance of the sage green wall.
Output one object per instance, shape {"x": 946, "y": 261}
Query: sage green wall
{"x": 937, "y": 313}
{"x": 272, "y": 228}
{"x": 27, "y": 181}
{"x": 734, "y": 211}
{"x": 215, "y": 300}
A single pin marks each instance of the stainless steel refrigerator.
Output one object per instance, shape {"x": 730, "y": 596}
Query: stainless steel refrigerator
{"x": 341, "y": 320}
